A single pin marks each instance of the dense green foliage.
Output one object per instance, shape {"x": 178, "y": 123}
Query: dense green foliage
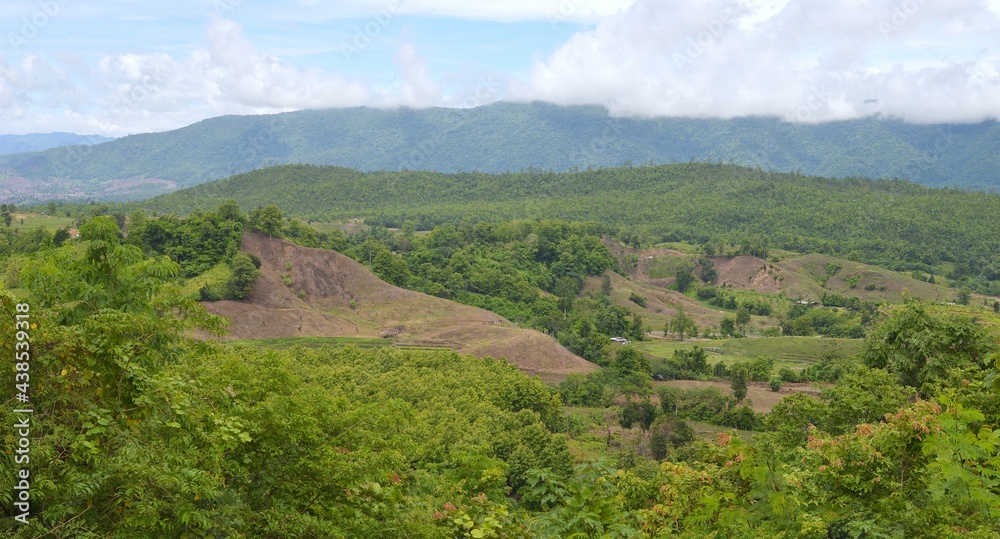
{"x": 530, "y": 272}
{"x": 510, "y": 136}
{"x": 895, "y": 224}
{"x": 141, "y": 432}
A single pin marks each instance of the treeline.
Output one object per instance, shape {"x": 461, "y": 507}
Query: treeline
{"x": 891, "y": 223}
{"x": 197, "y": 243}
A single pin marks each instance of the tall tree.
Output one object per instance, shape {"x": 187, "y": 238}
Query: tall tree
{"x": 268, "y": 220}
{"x": 743, "y": 318}
{"x": 684, "y": 277}
{"x": 740, "y": 375}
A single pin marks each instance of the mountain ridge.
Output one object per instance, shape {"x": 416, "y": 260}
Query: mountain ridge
{"x": 510, "y": 136}
{"x": 33, "y": 142}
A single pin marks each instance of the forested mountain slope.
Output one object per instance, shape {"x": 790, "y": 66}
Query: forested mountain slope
{"x": 509, "y": 136}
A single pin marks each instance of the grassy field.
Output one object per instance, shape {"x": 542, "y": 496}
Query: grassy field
{"x": 35, "y": 220}
{"x": 215, "y": 277}
{"x": 794, "y": 353}
{"x": 324, "y": 227}
{"x": 666, "y": 266}
{"x": 685, "y": 248}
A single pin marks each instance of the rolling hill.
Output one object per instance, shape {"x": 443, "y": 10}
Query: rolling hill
{"x": 889, "y": 223}
{"x": 317, "y": 302}
{"x": 497, "y": 138}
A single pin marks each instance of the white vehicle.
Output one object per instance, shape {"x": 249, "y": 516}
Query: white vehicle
{"x": 621, "y": 340}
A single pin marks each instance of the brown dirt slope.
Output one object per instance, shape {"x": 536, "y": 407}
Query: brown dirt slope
{"x": 317, "y": 303}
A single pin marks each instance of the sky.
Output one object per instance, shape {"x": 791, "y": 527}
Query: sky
{"x": 115, "y": 67}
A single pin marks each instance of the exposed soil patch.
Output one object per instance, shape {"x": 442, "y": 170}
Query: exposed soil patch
{"x": 746, "y": 273}
{"x": 305, "y": 292}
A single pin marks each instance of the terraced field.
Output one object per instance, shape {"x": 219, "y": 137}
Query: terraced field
{"x": 794, "y": 353}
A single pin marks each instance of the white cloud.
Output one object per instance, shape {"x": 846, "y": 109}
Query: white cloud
{"x": 802, "y": 61}
{"x": 130, "y": 93}
{"x": 418, "y": 90}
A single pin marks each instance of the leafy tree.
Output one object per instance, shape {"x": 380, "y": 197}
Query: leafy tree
{"x": 245, "y": 272}
{"x": 742, "y": 318}
{"x": 567, "y": 288}
{"x": 862, "y": 396}
{"x": 605, "y": 285}
{"x": 740, "y": 375}
{"x": 390, "y": 268}
{"x": 636, "y": 329}
{"x": 613, "y": 320}
{"x": 268, "y": 220}
{"x": 682, "y": 324}
{"x": 684, "y": 277}
{"x": 919, "y": 346}
{"x": 708, "y": 273}
{"x": 727, "y": 326}
{"x": 630, "y": 360}
{"x": 963, "y": 296}
{"x": 641, "y": 414}
{"x": 760, "y": 368}
{"x": 694, "y": 361}
{"x": 60, "y": 237}
{"x": 793, "y": 416}
{"x": 667, "y": 432}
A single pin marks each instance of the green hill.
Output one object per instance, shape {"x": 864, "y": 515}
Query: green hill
{"x": 890, "y": 223}
{"x": 497, "y": 138}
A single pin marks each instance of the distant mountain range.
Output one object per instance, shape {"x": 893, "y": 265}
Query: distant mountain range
{"x": 498, "y": 138}
{"x": 35, "y": 142}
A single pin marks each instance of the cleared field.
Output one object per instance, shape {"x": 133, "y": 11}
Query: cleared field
{"x": 804, "y": 274}
{"x": 794, "y": 353}
{"x": 35, "y": 220}
{"x": 761, "y": 398}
